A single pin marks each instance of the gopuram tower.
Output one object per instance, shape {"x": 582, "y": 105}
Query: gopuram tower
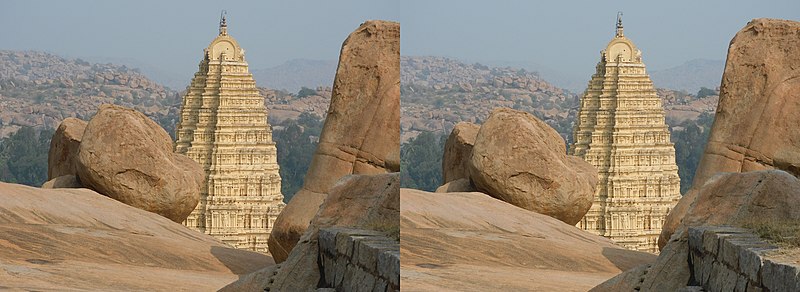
{"x": 620, "y": 129}
{"x": 223, "y": 126}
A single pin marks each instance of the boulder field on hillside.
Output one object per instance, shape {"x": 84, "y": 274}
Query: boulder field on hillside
{"x": 361, "y": 134}
{"x": 77, "y": 239}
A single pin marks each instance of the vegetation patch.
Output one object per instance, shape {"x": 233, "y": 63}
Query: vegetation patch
{"x": 387, "y": 227}
{"x": 783, "y": 233}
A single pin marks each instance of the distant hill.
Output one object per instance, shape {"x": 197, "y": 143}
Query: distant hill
{"x": 40, "y": 89}
{"x": 575, "y": 83}
{"x": 172, "y": 80}
{"x": 690, "y": 76}
{"x": 437, "y": 92}
{"x": 295, "y": 74}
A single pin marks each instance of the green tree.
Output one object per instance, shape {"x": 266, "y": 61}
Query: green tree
{"x": 23, "y": 157}
{"x": 305, "y": 91}
{"x": 689, "y": 146}
{"x": 706, "y": 92}
{"x": 296, "y": 142}
{"x": 421, "y": 162}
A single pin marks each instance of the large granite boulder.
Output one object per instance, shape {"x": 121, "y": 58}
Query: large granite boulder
{"x": 759, "y": 104}
{"x": 737, "y": 199}
{"x": 128, "y": 157}
{"x": 755, "y": 199}
{"x": 79, "y": 240}
{"x": 457, "y": 151}
{"x": 361, "y": 201}
{"x": 63, "y": 155}
{"x": 473, "y": 242}
{"x": 521, "y": 160}
{"x": 361, "y": 134}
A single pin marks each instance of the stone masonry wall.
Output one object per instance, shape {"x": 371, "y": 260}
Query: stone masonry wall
{"x": 734, "y": 259}
{"x": 359, "y": 260}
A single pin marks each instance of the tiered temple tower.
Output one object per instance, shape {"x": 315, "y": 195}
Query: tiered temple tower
{"x": 223, "y": 126}
{"x": 620, "y": 129}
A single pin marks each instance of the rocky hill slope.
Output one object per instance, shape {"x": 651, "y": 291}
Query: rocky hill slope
{"x": 39, "y": 90}
{"x": 438, "y": 92}
{"x": 295, "y": 74}
{"x": 283, "y": 105}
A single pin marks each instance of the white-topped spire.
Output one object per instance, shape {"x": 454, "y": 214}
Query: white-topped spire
{"x": 223, "y": 23}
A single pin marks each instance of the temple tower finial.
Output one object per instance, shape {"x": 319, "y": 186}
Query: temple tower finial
{"x": 619, "y": 24}
{"x": 223, "y": 23}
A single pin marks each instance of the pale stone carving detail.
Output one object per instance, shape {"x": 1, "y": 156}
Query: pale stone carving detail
{"x": 223, "y": 126}
{"x": 620, "y": 129}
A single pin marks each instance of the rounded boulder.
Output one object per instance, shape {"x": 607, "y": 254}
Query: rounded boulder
{"x": 128, "y": 157}
{"x": 522, "y": 161}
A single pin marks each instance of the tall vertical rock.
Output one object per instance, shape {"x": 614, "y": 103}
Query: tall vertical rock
{"x": 361, "y": 134}
{"x": 756, "y": 124}
{"x": 223, "y": 126}
{"x": 758, "y": 113}
{"x": 620, "y": 129}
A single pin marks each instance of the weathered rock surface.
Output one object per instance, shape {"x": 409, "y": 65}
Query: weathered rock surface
{"x": 63, "y": 182}
{"x": 128, "y": 157}
{"x": 361, "y": 134}
{"x": 787, "y": 161}
{"x": 64, "y": 146}
{"x": 521, "y": 160}
{"x": 462, "y": 185}
{"x": 457, "y": 151}
{"x": 77, "y": 240}
{"x": 757, "y": 115}
{"x": 473, "y": 242}
{"x": 359, "y": 201}
{"x": 669, "y": 272}
{"x": 737, "y": 199}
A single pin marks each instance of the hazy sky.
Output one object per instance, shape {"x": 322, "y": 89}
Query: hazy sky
{"x": 171, "y": 35}
{"x": 568, "y": 35}
{"x": 563, "y": 35}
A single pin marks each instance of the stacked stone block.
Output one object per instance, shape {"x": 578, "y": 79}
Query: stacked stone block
{"x": 359, "y": 260}
{"x": 734, "y": 259}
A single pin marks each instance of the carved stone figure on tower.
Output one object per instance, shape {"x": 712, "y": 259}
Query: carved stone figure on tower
{"x": 620, "y": 129}
{"x": 223, "y": 126}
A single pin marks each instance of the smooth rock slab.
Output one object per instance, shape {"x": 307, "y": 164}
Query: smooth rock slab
{"x": 79, "y": 240}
